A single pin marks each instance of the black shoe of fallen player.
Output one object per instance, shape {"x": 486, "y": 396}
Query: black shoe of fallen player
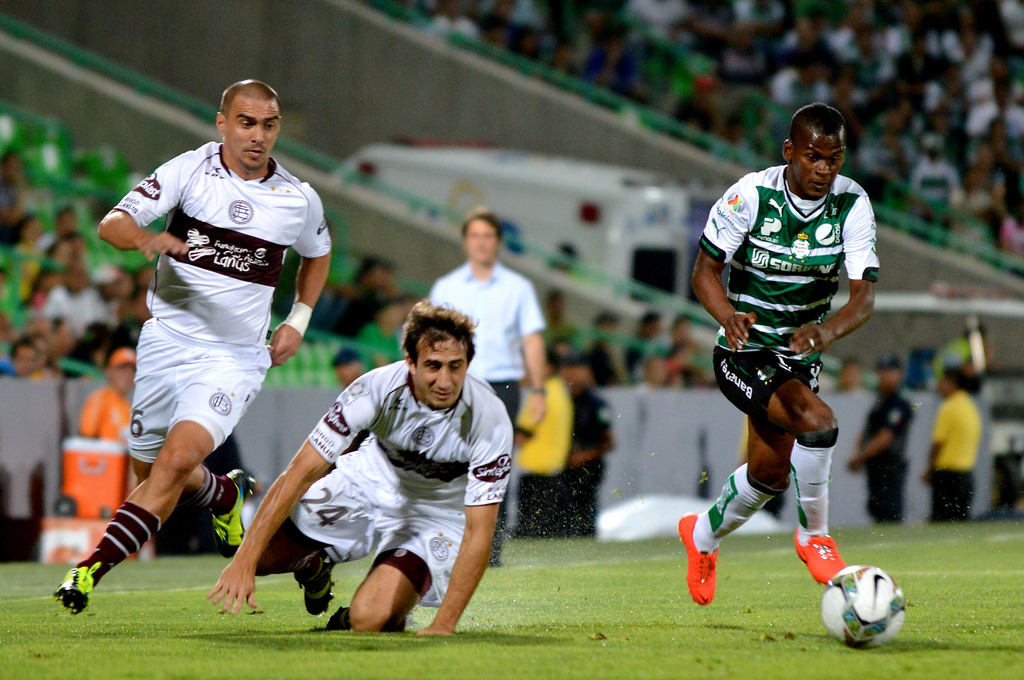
{"x": 317, "y": 589}
{"x": 339, "y": 620}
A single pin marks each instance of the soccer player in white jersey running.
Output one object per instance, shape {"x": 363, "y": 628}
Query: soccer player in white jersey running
{"x": 421, "y": 455}
{"x": 785, "y": 232}
{"x": 232, "y": 212}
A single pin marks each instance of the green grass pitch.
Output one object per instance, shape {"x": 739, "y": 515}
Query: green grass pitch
{"x": 558, "y": 609}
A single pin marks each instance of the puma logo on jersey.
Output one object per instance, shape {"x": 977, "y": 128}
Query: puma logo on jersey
{"x": 772, "y": 225}
{"x": 774, "y": 204}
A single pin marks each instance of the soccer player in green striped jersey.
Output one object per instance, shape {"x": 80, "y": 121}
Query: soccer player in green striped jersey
{"x": 785, "y": 233}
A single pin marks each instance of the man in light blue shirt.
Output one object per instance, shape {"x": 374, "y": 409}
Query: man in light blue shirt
{"x": 509, "y": 345}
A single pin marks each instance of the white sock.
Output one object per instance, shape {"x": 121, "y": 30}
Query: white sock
{"x": 736, "y": 504}
{"x": 811, "y": 470}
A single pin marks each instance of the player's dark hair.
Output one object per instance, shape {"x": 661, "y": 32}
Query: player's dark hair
{"x": 485, "y": 215}
{"x": 250, "y": 88}
{"x": 820, "y": 118}
{"x": 433, "y": 325}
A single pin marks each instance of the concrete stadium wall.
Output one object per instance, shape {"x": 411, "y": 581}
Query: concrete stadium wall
{"x": 658, "y": 451}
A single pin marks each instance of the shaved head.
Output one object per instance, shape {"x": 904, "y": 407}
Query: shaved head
{"x": 254, "y": 89}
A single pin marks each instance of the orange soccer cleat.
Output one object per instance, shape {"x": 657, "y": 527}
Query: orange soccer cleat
{"x": 821, "y": 557}
{"x": 700, "y": 572}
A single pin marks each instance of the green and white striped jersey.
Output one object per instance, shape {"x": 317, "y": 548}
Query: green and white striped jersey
{"x": 785, "y": 252}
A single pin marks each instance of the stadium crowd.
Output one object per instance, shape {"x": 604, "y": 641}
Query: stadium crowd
{"x": 932, "y": 92}
{"x": 931, "y": 89}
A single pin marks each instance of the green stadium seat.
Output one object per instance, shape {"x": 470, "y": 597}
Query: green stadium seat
{"x": 104, "y": 168}
{"x": 47, "y": 163}
{"x": 12, "y": 133}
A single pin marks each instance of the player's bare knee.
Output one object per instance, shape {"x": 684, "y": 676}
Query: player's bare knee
{"x": 176, "y": 463}
{"x": 367, "y": 619}
{"x": 817, "y": 420}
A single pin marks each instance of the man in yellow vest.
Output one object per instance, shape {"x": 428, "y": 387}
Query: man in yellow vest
{"x": 544, "y": 451}
{"x": 956, "y": 437}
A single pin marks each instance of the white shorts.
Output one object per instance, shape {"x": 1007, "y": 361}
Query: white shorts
{"x": 179, "y": 379}
{"x": 356, "y": 509}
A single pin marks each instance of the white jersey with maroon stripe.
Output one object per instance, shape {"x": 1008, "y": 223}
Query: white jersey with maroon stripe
{"x": 237, "y": 232}
{"x": 452, "y": 457}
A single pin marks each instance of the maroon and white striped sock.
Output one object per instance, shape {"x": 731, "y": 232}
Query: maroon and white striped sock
{"x": 217, "y": 493}
{"x": 131, "y": 526}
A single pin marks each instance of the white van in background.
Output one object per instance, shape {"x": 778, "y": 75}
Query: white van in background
{"x": 625, "y": 222}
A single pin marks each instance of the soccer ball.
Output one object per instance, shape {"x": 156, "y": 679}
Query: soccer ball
{"x": 863, "y": 607}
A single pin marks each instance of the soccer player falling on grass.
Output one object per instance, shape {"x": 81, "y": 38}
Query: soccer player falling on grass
{"x": 785, "y": 232}
{"x": 411, "y": 463}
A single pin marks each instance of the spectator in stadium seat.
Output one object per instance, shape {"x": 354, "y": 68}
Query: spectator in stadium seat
{"x": 1011, "y": 232}
{"x": 663, "y": 18}
{"x": 68, "y": 248}
{"x": 611, "y": 64}
{"x": 647, "y": 342}
{"x": 494, "y": 31}
{"x": 12, "y": 195}
{"x": 774, "y": 329}
{"x": 606, "y": 359}
{"x": 383, "y": 335}
{"x": 28, "y": 359}
{"x": 680, "y": 364}
{"x": 510, "y": 325}
{"x": 373, "y": 285}
{"x": 132, "y": 313}
{"x": 347, "y": 366}
{"x": 106, "y": 413}
{"x": 558, "y": 327}
{"x": 77, "y": 299}
{"x": 984, "y": 196}
{"x": 449, "y": 19}
{"x": 933, "y": 179}
{"x": 956, "y": 438}
{"x": 204, "y": 355}
{"x": 65, "y": 223}
{"x": 30, "y": 246}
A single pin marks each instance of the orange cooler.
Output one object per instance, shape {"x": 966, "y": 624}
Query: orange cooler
{"x": 95, "y": 476}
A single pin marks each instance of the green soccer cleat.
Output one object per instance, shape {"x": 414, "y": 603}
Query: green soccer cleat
{"x": 74, "y": 592}
{"x": 316, "y": 590}
{"x": 227, "y": 528}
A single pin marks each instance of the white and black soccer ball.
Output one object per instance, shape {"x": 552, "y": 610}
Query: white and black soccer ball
{"x": 863, "y": 607}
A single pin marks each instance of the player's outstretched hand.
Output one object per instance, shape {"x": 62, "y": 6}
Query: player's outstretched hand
{"x": 435, "y": 629}
{"x": 235, "y": 586}
{"x": 284, "y": 344}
